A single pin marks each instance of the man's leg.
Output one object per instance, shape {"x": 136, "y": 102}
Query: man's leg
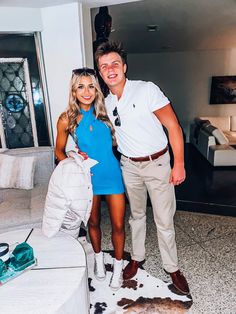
{"x": 165, "y": 229}
{"x": 164, "y": 205}
{"x": 137, "y": 195}
{"x": 162, "y": 196}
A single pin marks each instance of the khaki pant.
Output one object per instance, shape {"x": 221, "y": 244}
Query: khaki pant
{"x": 152, "y": 177}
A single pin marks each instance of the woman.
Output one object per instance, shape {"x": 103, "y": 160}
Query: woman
{"x": 87, "y": 121}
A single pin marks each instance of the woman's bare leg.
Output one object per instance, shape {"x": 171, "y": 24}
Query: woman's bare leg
{"x": 116, "y": 205}
{"x": 94, "y": 224}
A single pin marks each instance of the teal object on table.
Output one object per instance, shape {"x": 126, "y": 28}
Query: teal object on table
{"x": 3, "y": 268}
{"x": 22, "y": 257}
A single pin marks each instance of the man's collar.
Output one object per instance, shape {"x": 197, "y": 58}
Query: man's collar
{"x": 126, "y": 86}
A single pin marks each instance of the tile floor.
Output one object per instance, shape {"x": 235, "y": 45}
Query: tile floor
{"x": 207, "y": 189}
{"x": 207, "y": 256}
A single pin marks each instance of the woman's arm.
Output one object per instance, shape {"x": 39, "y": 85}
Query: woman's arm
{"x": 62, "y": 136}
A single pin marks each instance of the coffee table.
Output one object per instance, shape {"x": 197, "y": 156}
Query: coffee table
{"x": 57, "y": 284}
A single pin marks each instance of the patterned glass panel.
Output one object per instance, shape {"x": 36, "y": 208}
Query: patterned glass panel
{"x": 16, "y": 118}
{"x": 23, "y": 46}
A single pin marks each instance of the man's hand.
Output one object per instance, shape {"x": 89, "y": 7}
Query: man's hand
{"x": 85, "y": 156}
{"x": 177, "y": 175}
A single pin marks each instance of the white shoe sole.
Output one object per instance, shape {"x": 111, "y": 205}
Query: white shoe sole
{"x": 100, "y": 278}
{"x": 115, "y": 288}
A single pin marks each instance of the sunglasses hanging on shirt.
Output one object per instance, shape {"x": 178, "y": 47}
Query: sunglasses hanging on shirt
{"x": 117, "y": 121}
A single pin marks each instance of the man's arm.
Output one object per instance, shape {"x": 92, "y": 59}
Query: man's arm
{"x": 168, "y": 118}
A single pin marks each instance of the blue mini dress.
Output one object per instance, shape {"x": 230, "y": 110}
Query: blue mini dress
{"x": 94, "y": 138}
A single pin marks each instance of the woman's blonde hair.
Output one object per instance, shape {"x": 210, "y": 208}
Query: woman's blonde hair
{"x": 73, "y": 110}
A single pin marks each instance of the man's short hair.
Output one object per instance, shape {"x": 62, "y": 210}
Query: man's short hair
{"x": 108, "y": 47}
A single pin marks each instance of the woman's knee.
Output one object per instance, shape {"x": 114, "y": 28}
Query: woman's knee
{"x": 118, "y": 228}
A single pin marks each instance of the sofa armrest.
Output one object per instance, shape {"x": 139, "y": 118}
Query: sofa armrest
{"x": 205, "y": 140}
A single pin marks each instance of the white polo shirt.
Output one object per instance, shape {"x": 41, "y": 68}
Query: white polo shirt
{"x": 141, "y": 133}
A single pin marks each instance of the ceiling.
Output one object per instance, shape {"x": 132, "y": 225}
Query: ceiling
{"x": 49, "y": 3}
{"x": 181, "y": 25}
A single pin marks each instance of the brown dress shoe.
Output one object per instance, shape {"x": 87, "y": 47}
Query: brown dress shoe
{"x": 130, "y": 270}
{"x": 179, "y": 282}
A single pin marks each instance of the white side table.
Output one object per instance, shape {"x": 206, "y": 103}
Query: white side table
{"x": 59, "y": 282}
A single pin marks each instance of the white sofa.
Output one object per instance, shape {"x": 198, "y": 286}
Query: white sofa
{"x": 215, "y": 138}
{"x": 21, "y": 207}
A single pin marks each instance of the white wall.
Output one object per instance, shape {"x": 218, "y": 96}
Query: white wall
{"x": 62, "y": 41}
{"x": 63, "y": 51}
{"x": 20, "y": 20}
{"x": 185, "y": 77}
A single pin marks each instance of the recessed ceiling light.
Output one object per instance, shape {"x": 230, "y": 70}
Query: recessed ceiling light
{"x": 166, "y": 47}
{"x": 152, "y": 28}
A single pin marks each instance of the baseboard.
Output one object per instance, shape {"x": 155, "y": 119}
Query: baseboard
{"x": 207, "y": 208}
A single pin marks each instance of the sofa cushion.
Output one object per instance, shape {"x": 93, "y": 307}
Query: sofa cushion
{"x": 233, "y": 123}
{"x": 222, "y": 123}
{"x": 17, "y": 172}
{"x": 231, "y": 136}
{"x": 22, "y": 208}
{"x": 217, "y": 133}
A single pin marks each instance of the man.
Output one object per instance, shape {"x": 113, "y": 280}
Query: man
{"x": 138, "y": 110}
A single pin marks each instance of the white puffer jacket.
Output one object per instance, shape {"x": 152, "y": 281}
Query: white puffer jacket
{"x": 69, "y": 197}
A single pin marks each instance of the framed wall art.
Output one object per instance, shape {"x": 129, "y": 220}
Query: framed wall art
{"x": 223, "y": 90}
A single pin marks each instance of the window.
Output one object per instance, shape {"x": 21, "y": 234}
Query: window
{"x": 23, "y": 119}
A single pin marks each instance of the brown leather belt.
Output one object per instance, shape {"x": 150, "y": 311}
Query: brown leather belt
{"x": 150, "y": 157}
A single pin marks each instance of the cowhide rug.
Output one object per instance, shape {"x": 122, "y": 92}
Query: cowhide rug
{"x": 142, "y": 294}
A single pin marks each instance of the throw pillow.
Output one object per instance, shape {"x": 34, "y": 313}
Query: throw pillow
{"x": 17, "y": 172}
{"x": 220, "y": 137}
{"x": 217, "y": 133}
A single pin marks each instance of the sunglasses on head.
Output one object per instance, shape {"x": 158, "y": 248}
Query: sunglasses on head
{"x": 117, "y": 121}
{"x": 84, "y": 71}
